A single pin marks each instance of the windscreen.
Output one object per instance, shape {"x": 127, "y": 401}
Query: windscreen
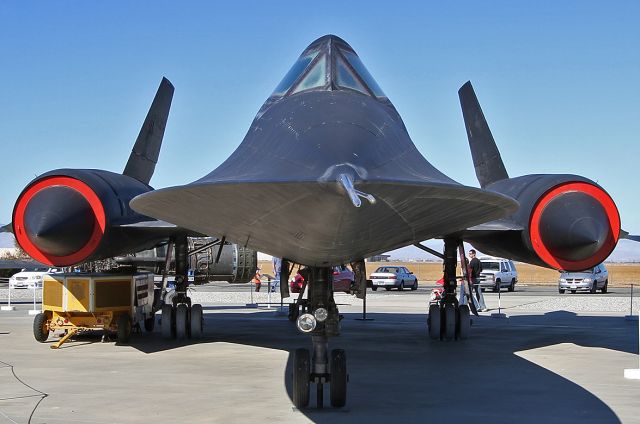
{"x": 491, "y": 266}
{"x": 294, "y": 73}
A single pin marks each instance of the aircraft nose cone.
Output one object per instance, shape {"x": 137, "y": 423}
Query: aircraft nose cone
{"x": 574, "y": 226}
{"x": 59, "y": 221}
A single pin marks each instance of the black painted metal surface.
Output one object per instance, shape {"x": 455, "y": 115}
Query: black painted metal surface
{"x": 280, "y": 191}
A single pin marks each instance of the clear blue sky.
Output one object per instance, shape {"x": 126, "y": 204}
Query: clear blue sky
{"x": 558, "y": 81}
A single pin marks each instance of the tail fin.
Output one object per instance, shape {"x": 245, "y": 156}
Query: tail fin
{"x": 485, "y": 154}
{"x": 144, "y": 156}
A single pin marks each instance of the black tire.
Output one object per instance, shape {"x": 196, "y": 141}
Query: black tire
{"x": 124, "y": 328}
{"x": 196, "y": 321}
{"x": 374, "y": 288}
{"x": 594, "y": 287}
{"x": 150, "y": 323}
{"x": 401, "y": 286}
{"x": 168, "y": 321}
{"x": 415, "y": 285}
{"x": 41, "y": 327}
{"x": 301, "y": 374}
{"x": 512, "y": 286}
{"x": 339, "y": 378}
{"x": 464, "y": 322}
{"x": 496, "y": 288}
{"x": 449, "y": 321}
{"x": 561, "y": 291}
{"x": 605, "y": 287}
{"x": 434, "y": 321}
{"x": 387, "y": 288}
{"x": 182, "y": 321}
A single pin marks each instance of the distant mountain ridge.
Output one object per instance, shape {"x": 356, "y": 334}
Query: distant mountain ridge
{"x": 625, "y": 251}
{"x": 7, "y": 241}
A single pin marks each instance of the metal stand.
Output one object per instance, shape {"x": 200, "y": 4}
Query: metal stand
{"x": 499, "y": 314}
{"x": 252, "y": 304}
{"x": 634, "y": 374}
{"x": 8, "y": 307}
{"x": 364, "y": 309}
{"x": 631, "y": 317}
{"x": 34, "y": 311}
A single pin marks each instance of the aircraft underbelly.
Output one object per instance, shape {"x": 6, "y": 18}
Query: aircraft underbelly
{"x": 315, "y": 224}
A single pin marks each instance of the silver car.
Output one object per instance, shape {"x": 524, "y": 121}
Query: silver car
{"x": 393, "y": 276}
{"x": 591, "y": 280}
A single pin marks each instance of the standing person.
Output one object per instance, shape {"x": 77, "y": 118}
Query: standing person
{"x": 257, "y": 279}
{"x": 475, "y": 268}
{"x": 277, "y": 265}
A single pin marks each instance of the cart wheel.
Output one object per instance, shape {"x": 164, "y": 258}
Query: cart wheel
{"x": 124, "y": 328}
{"x": 167, "y": 322}
{"x": 150, "y": 323}
{"x": 196, "y": 321}
{"x": 182, "y": 321}
{"x": 41, "y": 327}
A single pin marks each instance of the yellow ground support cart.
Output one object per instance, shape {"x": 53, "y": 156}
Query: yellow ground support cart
{"x": 77, "y": 302}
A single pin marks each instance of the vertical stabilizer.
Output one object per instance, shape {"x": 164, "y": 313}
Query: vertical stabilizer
{"x": 144, "y": 156}
{"x": 485, "y": 154}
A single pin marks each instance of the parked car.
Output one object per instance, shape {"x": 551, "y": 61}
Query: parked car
{"x": 343, "y": 280}
{"x": 498, "y": 273}
{"x": 592, "y": 279}
{"x": 296, "y": 284}
{"x": 393, "y": 276}
{"x": 29, "y": 279}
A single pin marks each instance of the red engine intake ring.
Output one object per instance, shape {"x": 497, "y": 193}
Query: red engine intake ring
{"x": 612, "y": 238}
{"x": 87, "y": 249}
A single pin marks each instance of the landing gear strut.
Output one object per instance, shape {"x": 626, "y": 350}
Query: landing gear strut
{"x": 181, "y": 319}
{"x": 448, "y": 320}
{"x": 322, "y": 321}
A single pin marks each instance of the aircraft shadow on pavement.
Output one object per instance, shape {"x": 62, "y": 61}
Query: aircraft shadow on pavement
{"x": 398, "y": 375}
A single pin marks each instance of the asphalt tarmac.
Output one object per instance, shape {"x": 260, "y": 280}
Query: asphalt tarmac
{"x": 552, "y": 366}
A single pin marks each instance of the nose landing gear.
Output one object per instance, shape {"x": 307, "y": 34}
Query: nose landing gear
{"x": 322, "y": 321}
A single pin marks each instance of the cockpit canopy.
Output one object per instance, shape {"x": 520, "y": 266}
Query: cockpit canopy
{"x": 329, "y": 63}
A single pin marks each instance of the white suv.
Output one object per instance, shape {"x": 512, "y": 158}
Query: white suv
{"x": 498, "y": 273}
{"x": 30, "y": 279}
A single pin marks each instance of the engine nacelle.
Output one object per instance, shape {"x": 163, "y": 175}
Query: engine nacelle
{"x": 567, "y": 222}
{"x": 70, "y": 216}
{"x": 236, "y": 264}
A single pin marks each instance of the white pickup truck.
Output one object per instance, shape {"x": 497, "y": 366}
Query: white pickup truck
{"x": 498, "y": 273}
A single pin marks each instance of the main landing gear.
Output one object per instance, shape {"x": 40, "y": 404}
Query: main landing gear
{"x": 321, "y": 321}
{"x": 448, "y": 320}
{"x": 181, "y": 319}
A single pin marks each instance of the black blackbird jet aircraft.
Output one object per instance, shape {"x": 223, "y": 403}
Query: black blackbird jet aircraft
{"x": 344, "y": 182}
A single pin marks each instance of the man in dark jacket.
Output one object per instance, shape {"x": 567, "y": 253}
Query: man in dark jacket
{"x": 475, "y": 268}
